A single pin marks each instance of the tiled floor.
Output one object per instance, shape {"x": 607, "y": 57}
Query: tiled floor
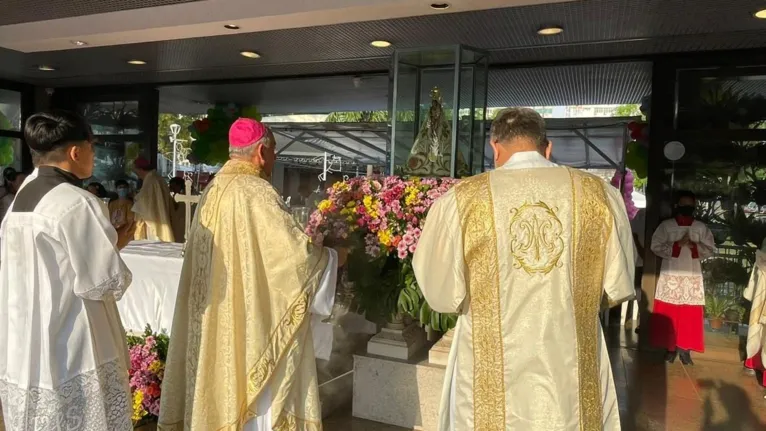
{"x": 716, "y": 394}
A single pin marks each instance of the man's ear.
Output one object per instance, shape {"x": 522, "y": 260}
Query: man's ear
{"x": 73, "y": 152}
{"x": 549, "y": 150}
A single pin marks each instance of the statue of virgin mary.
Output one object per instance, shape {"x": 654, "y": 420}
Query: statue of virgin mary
{"x": 432, "y": 152}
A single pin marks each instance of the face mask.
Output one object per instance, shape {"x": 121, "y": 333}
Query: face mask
{"x": 122, "y": 193}
{"x": 685, "y": 210}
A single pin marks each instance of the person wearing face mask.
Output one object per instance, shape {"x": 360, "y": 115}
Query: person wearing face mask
{"x": 679, "y": 303}
{"x": 120, "y": 209}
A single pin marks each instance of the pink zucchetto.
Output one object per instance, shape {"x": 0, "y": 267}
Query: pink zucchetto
{"x": 245, "y": 132}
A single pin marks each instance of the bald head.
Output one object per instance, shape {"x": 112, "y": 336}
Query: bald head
{"x": 517, "y": 130}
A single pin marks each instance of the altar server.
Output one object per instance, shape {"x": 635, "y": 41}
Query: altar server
{"x": 153, "y": 205}
{"x": 241, "y": 355}
{"x": 64, "y": 361}
{"x": 756, "y": 333}
{"x": 529, "y": 250}
{"x": 679, "y": 303}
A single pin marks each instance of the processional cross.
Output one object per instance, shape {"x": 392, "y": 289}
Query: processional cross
{"x": 187, "y": 199}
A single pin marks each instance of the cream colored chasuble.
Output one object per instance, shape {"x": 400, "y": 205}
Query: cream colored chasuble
{"x": 241, "y": 355}
{"x": 756, "y": 293}
{"x": 153, "y": 208}
{"x": 525, "y": 254}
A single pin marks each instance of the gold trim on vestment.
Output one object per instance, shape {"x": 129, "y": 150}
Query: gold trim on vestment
{"x": 477, "y": 220}
{"x": 591, "y": 228}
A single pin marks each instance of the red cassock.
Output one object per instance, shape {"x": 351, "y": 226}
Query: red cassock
{"x": 677, "y": 321}
{"x": 677, "y": 326}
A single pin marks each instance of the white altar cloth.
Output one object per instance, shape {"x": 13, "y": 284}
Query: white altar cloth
{"x": 151, "y": 298}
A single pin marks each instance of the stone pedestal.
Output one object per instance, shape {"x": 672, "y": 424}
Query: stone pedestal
{"x": 439, "y": 353}
{"x": 398, "y": 341}
{"x": 397, "y": 392}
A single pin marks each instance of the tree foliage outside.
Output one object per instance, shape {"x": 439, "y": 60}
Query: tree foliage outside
{"x": 631, "y": 110}
{"x": 164, "y": 146}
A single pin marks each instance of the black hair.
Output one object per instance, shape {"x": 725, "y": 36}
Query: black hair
{"x": 48, "y": 133}
{"x": 9, "y": 176}
{"x": 121, "y": 183}
{"x": 100, "y": 190}
{"x": 685, "y": 194}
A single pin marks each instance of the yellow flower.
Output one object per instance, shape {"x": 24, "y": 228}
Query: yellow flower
{"x": 411, "y": 195}
{"x": 385, "y": 237}
{"x": 156, "y": 366}
{"x": 340, "y": 187}
{"x": 138, "y": 408}
{"x": 324, "y": 205}
{"x": 370, "y": 205}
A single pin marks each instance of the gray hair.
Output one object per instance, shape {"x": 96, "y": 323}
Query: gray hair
{"x": 514, "y": 123}
{"x": 246, "y": 152}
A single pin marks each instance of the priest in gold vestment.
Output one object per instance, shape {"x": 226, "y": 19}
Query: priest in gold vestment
{"x": 241, "y": 356}
{"x": 153, "y": 205}
{"x": 532, "y": 250}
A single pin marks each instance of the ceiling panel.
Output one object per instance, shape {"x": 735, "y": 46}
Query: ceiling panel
{"x": 590, "y": 84}
{"x": 19, "y": 11}
{"x": 593, "y": 29}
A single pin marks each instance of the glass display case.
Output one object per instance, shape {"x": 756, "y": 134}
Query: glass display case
{"x": 438, "y": 109}
{"x": 119, "y": 139}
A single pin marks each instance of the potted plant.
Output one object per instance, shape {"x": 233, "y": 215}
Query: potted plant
{"x": 716, "y": 308}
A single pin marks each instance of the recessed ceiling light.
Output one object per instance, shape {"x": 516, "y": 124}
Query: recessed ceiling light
{"x": 46, "y": 68}
{"x": 232, "y": 26}
{"x": 78, "y": 42}
{"x": 250, "y": 54}
{"x": 380, "y": 43}
{"x": 440, "y": 6}
{"x": 137, "y": 62}
{"x": 550, "y": 31}
{"x": 761, "y": 14}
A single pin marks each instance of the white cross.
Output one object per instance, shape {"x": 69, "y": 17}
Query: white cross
{"x": 187, "y": 199}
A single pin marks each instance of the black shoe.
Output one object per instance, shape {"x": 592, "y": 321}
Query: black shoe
{"x": 686, "y": 357}
{"x": 670, "y": 357}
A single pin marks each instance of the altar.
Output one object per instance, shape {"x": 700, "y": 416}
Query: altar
{"x": 151, "y": 297}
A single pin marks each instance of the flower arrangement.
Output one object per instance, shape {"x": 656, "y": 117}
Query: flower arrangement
{"x": 148, "y": 353}
{"x": 383, "y": 216}
{"x": 627, "y": 191}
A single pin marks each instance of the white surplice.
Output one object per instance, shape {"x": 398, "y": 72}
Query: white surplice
{"x": 322, "y": 335}
{"x": 680, "y": 281}
{"x": 65, "y": 362}
{"x": 540, "y": 362}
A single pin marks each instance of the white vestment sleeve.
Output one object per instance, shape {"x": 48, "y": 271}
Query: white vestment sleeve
{"x": 90, "y": 241}
{"x": 706, "y": 245}
{"x": 619, "y": 268}
{"x": 438, "y": 261}
{"x": 324, "y": 298}
{"x": 661, "y": 245}
{"x": 321, "y": 307}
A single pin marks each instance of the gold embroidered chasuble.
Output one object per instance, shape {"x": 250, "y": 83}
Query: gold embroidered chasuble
{"x": 756, "y": 294}
{"x": 532, "y": 251}
{"x": 240, "y": 327}
{"x": 153, "y": 208}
